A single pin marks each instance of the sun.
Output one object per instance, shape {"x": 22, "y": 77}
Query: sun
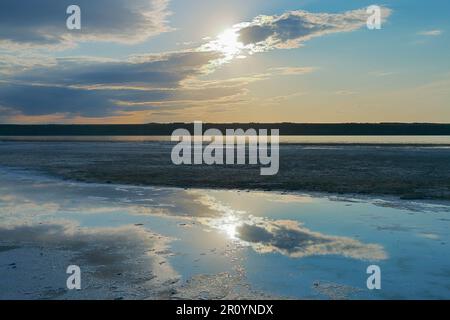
{"x": 228, "y": 42}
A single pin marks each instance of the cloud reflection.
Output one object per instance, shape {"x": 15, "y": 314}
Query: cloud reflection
{"x": 286, "y": 237}
{"x": 292, "y": 239}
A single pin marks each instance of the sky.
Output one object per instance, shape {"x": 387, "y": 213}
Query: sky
{"x": 146, "y": 61}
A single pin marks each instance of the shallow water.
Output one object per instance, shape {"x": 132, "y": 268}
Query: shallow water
{"x": 266, "y": 243}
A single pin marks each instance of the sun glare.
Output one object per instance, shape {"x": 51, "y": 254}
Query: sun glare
{"x": 228, "y": 44}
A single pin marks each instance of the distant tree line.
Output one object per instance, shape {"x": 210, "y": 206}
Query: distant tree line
{"x": 286, "y": 129}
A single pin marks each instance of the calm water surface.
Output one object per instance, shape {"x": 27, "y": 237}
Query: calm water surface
{"x": 288, "y": 245}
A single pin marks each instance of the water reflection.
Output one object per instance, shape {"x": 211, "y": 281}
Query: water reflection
{"x": 273, "y": 237}
{"x": 291, "y": 239}
{"x": 264, "y": 235}
{"x": 286, "y": 237}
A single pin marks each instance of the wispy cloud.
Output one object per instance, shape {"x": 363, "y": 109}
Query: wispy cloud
{"x": 431, "y": 33}
{"x": 291, "y": 71}
{"x": 18, "y": 62}
{"x": 345, "y": 93}
{"x": 382, "y": 73}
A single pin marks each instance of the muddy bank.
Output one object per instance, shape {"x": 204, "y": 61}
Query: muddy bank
{"x": 409, "y": 172}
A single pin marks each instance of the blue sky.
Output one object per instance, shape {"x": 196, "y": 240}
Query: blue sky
{"x": 185, "y": 60}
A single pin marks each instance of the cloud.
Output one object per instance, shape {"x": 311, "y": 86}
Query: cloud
{"x": 344, "y": 92}
{"x": 292, "y": 71}
{"x": 37, "y": 100}
{"x": 286, "y": 31}
{"x": 382, "y": 73}
{"x": 431, "y": 33}
{"x": 165, "y": 70}
{"x": 98, "y": 87}
{"x": 42, "y": 24}
{"x": 23, "y": 61}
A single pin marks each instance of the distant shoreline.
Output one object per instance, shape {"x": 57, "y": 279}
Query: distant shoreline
{"x": 286, "y": 129}
{"x": 307, "y": 141}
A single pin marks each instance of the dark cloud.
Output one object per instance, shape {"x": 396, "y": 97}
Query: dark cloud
{"x": 43, "y": 22}
{"x": 151, "y": 71}
{"x": 36, "y": 100}
{"x": 105, "y": 88}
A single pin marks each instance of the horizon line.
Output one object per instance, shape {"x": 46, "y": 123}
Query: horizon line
{"x": 223, "y": 123}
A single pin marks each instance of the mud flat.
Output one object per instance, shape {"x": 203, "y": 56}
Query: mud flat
{"x": 405, "y": 171}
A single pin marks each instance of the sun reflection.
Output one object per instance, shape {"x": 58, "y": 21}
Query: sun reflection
{"x": 229, "y": 225}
